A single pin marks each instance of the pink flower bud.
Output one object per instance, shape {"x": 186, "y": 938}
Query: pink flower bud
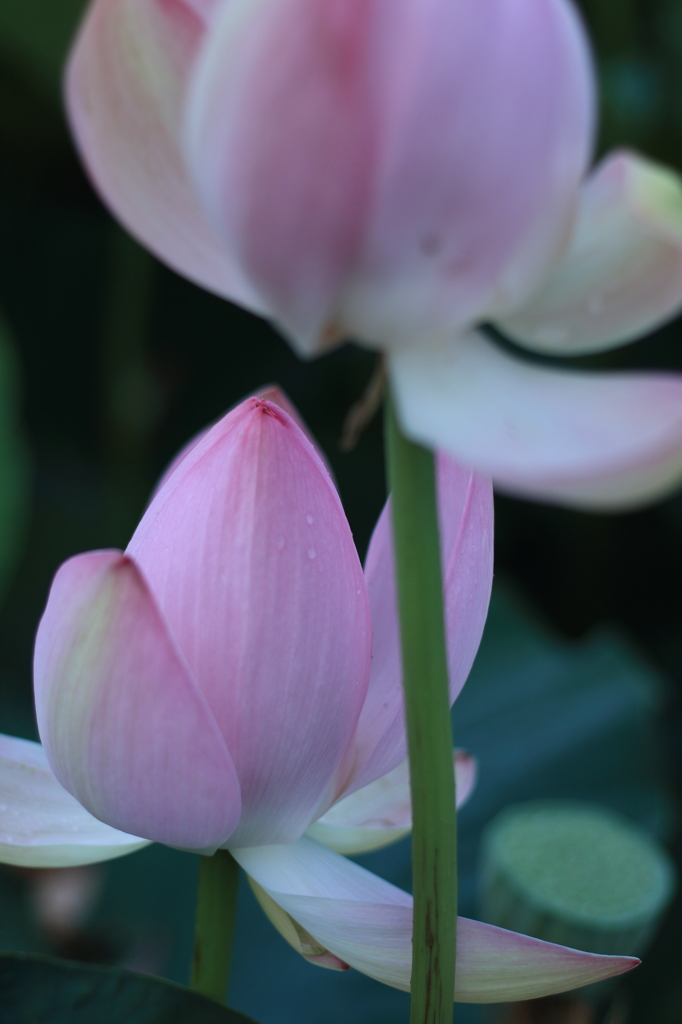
{"x": 211, "y": 679}
{"x": 221, "y": 682}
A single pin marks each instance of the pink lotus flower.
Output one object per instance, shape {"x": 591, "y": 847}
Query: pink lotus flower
{"x": 233, "y": 680}
{"x": 399, "y": 173}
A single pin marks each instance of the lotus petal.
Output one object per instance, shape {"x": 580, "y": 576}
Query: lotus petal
{"x": 125, "y": 728}
{"x": 621, "y": 276}
{"x": 465, "y": 504}
{"x": 367, "y": 923}
{"x": 43, "y": 826}
{"x": 125, "y": 86}
{"x": 251, "y": 558}
{"x": 592, "y": 440}
{"x": 390, "y": 169}
{"x": 381, "y": 813}
{"x": 270, "y": 393}
{"x": 297, "y": 937}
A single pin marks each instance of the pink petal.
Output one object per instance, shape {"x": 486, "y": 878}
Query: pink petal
{"x": 204, "y": 9}
{"x": 250, "y": 556}
{"x": 367, "y": 923}
{"x": 125, "y": 728}
{"x": 591, "y": 440}
{"x": 274, "y": 393}
{"x": 43, "y": 826}
{"x": 381, "y": 813}
{"x": 621, "y": 276}
{"x": 466, "y": 521}
{"x": 125, "y": 87}
{"x": 270, "y": 393}
{"x": 391, "y": 167}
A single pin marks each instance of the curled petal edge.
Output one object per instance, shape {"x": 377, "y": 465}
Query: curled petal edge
{"x": 297, "y": 937}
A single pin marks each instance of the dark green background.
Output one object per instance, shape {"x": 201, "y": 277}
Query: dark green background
{"x": 109, "y": 362}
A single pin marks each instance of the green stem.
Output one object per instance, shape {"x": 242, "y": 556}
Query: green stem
{"x": 214, "y": 932}
{"x": 425, "y": 681}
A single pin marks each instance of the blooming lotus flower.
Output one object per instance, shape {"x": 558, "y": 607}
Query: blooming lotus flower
{"x": 401, "y": 172}
{"x": 233, "y": 680}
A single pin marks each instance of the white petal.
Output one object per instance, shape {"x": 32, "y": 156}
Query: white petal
{"x": 588, "y": 439}
{"x": 367, "y": 923}
{"x": 381, "y": 813}
{"x": 43, "y": 826}
{"x": 297, "y": 937}
{"x": 621, "y": 276}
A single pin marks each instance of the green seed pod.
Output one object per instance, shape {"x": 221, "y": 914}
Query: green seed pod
{"x": 575, "y": 874}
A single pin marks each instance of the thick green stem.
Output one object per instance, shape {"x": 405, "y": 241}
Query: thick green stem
{"x": 214, "y": 933}
{"x": 425, "y": 680}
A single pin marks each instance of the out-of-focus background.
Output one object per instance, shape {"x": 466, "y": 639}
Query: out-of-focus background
{"x": 109, "y": 362}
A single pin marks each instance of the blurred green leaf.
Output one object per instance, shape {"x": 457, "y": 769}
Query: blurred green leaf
{"x": 36, "y": 34}
{"x": 14, "y": 464}
{"x": 44, "y": 990}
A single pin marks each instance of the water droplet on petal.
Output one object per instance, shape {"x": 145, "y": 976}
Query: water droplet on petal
{"x": 309, "y": 519}
{"x": 280, "y": 543}
{"x": 312, "y": 553}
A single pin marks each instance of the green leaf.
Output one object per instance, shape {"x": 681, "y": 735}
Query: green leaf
{"x": 44, "y": 990}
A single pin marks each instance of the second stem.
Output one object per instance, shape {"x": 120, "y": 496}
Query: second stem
{"x": 215, "y": 921}
{"x": 412, "y": 478}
